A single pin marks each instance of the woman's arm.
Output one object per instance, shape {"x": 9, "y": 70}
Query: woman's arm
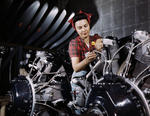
{"x": 77, "y": 65}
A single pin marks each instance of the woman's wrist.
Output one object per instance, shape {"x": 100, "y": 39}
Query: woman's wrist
{"x": 86, "y": 61}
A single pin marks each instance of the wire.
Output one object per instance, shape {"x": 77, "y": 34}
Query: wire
{"x": 105, "y": 60}
{"x": 110, "y": 61}
{"x": 137, "y": 82}
{"x": 126, "y": 66}
{"x": 136, "y": 79}
{"x": 49, "y": 107}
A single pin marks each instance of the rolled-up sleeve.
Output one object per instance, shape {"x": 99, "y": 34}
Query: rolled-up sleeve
{"x": 74, "y": 49}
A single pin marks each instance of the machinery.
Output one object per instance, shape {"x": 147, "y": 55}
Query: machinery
{"x": 35, "y": 80}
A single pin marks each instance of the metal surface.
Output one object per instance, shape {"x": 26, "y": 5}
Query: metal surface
{"x": 23, "y": 95}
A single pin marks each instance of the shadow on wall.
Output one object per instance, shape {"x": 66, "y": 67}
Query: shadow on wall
{"x": 88, "y": 6}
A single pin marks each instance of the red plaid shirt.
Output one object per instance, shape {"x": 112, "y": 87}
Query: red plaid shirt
{"x": 77, "y": 48}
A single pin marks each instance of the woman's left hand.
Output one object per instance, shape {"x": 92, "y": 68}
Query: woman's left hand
{"x": 99, "y": 44}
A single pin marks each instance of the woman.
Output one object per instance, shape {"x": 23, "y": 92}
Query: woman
{"x": 81, "y": 53}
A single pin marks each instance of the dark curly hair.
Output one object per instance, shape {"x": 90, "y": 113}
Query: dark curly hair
{"x": 79, "y": 16}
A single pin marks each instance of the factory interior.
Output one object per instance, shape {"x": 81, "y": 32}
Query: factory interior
{"x": 36, "y": 69}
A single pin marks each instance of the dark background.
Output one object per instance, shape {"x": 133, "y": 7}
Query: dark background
{"x": 24, "y": 25}
{"x": 118, "y": 17}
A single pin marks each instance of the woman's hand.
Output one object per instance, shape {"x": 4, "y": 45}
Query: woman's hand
{"x": 81, "y": 65}
{"x": 99, "y": 44}
{"x": 90, "y": 56}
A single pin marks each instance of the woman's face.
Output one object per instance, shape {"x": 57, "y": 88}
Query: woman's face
{"x": 83, "y": 28}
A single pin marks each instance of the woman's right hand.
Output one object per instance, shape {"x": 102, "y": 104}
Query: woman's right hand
{"x": 91, "y": 56}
